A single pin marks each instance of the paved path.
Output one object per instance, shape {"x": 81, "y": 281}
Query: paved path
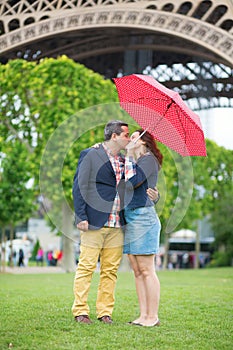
{"x": 34, "y": 269}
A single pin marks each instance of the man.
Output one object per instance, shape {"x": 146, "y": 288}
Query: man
{"x": 98, "y": 194}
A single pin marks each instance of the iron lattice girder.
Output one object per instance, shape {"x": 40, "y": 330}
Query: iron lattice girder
{"x": 190, "y": 89}
{"x": 194, "y": 80}
{"x": 203, "y": 85}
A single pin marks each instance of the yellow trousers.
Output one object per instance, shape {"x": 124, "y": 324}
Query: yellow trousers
{"x": 107, "y": 244}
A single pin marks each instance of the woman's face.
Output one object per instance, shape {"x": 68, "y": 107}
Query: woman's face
{"x": 134, "y": 136}
{"x": 136, "y": 139}
{"x": 134, "y": 145}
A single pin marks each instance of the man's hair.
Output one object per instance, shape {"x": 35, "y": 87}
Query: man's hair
{"x": 113, "y": 127}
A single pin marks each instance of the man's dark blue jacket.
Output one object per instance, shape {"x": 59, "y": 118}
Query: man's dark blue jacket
{"x": 95, "y": 188}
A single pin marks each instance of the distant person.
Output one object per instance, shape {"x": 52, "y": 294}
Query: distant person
{"x": 14, "y": 258}
{"x": 50, "y": 258}
{"x": 21, "y": 258}
{"x": 59, "y": 256}
{"x": 174, "y": 260}
{"x": 55, "y": 256}
{"x": 26, "y": 258}
{"x": 185, "y": 260}
{"x": 40, "y": 257}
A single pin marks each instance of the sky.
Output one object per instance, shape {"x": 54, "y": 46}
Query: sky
{"x": 217, "y": 124}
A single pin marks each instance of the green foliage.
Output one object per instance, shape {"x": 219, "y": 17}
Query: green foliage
{"x": 222, "y": 219}
{"x": 212, "y": 181}
{"x": 211, "y": 178}
{"x": 16, "y": 203}
{"x": 35, "y": 100}
{"x": 214, "y": 174}
{"x": 222, "y": 224}
{"x": 220, "y": 259}
{"x": 35, "y": 250}
{"x": 167, "y": 185}
{"x": 190, "y": 300}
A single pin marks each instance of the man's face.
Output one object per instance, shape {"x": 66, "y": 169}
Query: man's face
{"x": 123, "y": 139}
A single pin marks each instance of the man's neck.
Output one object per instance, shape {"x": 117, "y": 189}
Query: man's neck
{"x": 112, "y": 147}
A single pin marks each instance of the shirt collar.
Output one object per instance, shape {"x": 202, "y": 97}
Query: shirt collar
{"x": 107, "y": 149}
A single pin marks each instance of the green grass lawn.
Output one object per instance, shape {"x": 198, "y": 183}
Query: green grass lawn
{"x": 196, "y": 312}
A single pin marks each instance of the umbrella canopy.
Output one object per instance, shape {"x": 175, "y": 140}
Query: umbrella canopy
{"x": 162, "y": 112}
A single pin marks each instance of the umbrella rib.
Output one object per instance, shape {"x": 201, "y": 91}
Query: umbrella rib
{"x": 168, "y": 106}
{"x": 181, "y": 125}
{"x": 146, "y": 129}
{"x": 147, "y": 98}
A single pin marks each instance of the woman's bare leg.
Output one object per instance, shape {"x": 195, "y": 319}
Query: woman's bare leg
{"x": 140, "y": 289}
{"x": 150, "y": 287}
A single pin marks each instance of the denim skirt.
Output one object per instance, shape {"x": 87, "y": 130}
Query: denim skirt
{"x": 142, "y": 231}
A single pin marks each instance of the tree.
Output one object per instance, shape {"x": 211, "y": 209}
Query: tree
{"x": 35, "y": 100}
{"x": 17, "y": 198}
{"x": 222, "y": 224}
{"x": 35, "y": 250}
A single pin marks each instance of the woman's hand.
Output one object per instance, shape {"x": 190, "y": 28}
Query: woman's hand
{"x": 130, "y": 149}
{"x": 153, "y": 194}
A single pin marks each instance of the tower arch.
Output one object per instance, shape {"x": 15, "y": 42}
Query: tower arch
{"x": 207, "y": 24}
{"x": 127, "y": 35}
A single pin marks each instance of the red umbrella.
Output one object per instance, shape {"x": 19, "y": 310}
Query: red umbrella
{"x": 162, "y": 112}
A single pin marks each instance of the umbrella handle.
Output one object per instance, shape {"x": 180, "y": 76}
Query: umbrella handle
{"x": 140, "y": 135}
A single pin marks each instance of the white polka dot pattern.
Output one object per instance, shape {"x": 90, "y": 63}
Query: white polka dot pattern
{"x": 162, "y": 112}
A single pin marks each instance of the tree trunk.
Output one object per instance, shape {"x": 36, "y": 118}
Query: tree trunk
{"x": 68, "y": 260}
{"x": 166, "y": 249}
{"x": 11, "y": 245}
{"x": 3, "y": 251}
{"x": 197, "y": 245}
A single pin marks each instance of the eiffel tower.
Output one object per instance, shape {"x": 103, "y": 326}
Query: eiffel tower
{"x": 186, "y": 45}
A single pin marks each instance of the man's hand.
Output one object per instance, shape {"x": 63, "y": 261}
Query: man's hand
{"x": 153, "y": 194}
{"x": 96, "y": 145}
{"x": 83, "y": 226}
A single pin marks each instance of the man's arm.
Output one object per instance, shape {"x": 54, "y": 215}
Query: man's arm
{"x": 80, "y": 187}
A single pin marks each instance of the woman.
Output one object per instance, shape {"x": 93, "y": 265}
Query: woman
{"x": 143, "y": 226}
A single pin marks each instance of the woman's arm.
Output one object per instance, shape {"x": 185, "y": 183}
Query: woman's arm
{"x": 142, "y": 170}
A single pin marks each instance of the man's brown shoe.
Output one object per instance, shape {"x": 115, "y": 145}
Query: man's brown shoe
{"x": 83, "y": 319}
{"x": 106, "y": 319}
